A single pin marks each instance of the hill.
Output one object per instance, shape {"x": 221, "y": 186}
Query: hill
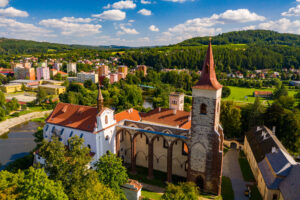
{"x": 263, "y": 37}
{"x": 14, "y": 46}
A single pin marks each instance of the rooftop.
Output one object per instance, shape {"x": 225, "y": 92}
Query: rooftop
{"x": 169, "y": 117}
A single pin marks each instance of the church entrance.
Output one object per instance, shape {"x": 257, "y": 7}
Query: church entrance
{"x": 200, "y": 183}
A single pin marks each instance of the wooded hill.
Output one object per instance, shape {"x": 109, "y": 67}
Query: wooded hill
{"x": 14, "y": 46}
{"x": 262, "y": 37}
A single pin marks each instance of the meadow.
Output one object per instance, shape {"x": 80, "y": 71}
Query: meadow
{"x": 245, "y": 95}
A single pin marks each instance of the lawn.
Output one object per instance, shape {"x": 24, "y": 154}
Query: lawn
{"x": 159, "y": 179}
{"x": 245, "y": 168}
{"x": 151, "y": 195}
{"x": 246, "y": 94}
{"x": 227, "y": 191}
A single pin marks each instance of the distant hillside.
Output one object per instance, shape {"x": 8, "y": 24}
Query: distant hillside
{"x": 247, "y": 37}
{"x": 14, "y": 46}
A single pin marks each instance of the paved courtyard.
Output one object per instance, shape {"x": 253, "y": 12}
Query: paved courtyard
{"x": 231, "y": 169}
{"x": 21, "y": 97}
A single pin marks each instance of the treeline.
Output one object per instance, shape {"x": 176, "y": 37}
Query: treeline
{"x": 247, "y": 37}
{"x": 227, "y": 58}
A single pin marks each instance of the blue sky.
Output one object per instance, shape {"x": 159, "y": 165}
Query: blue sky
{"x": 141, "y": 22}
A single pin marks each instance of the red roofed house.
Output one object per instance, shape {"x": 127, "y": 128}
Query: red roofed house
{"x": 170, "y": 140}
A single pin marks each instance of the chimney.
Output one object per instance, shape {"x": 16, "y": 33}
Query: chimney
{"x": 159, "y": 109}
{"x": 189, "y": 118}
{"x": 274, "y": 129}
{"x": 174, "y": 111}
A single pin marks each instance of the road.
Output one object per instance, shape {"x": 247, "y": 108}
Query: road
{"x": 231, "y": 169}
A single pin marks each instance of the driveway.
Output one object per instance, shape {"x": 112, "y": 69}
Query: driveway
{"x": 231, "y": 169}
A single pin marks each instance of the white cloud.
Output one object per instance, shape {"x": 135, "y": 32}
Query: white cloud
{"x": 107, "y": 6}
{"x": 206, "y": 26}
{"x": 131, "y": 21}
{"x": 13, "y": 29}
{"x": 251, "y": 27}
{"x": 295, "y": 11}
{"x": 68, "y": 28}
{"x": 298, "y": 1}
{"x": 145, "y": 12}
{"x": 126, "y": 30}
{"x": 153, "y": 28}
{"x": 124, "y": 5}
{"x": 177, "y": 1}
{"x": 114, "y": 14}
{"x": 149, "y": 2}
{"x": 239, "y": 15}
{"x": 282, "y": 25}
{"x": 3, "y": 3}
{"x": 12, "y": 12}
{"x": 77, "y": 20}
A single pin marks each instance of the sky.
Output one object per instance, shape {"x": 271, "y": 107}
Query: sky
{"x": 141, "y": 22}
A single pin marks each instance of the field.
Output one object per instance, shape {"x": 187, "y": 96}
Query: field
{"x": 245, "y": 95}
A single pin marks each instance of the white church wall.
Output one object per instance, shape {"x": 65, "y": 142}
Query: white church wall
{"x": 179, "y": 160}
{"x": 159, "y": 155}
{"x": 141, "y": 151}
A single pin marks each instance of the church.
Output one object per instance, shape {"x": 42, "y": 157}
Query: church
{"x": 170, "y": 140}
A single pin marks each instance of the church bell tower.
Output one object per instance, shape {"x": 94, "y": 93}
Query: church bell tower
{"x": 207, "y": 135}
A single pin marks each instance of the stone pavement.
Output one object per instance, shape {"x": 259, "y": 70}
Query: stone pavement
{"x": 231, "y": 169}
{"x": 153, "y": 188}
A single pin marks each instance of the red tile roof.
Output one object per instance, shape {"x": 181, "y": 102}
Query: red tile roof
{"x": 130, "y": 114}
{"x": 208, "y": 79}
{"x": 74, "y": 116}
{"x": 167, "y": 117}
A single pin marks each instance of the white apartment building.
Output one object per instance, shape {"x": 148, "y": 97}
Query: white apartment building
{"x": 71, "y": 67}
{"x": 83, "y": 76}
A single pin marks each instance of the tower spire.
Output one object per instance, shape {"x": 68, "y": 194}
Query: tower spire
{"x": 208, "y": 79}
{"x": 100, "y": 99}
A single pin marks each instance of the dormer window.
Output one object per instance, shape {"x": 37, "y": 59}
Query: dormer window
{"x": 203, "y": 109}
{"x": 106, "y": 119}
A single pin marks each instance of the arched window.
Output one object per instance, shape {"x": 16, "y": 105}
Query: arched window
{"x": 89, "y": 146}
{"x": 203, "y": 109}
{"x": 275, "y": 197}
{"x": 106, "y": 119}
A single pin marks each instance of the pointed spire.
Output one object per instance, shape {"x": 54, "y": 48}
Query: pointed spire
{"x": 208, "y": 79}
{"x": 100, "y": 99}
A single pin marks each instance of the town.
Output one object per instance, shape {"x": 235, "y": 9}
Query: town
{"x": 149, "y": 100}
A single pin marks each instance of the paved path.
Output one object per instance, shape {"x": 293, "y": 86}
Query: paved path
{"x": 231, "y": 169}
{"x": 9, "y": 123}
{"x": 153, "y": 188}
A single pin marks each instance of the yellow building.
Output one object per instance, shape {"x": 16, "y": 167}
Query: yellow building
{"x": 53, "y": 89}
{"x": 276, "y": 172}
{"x": 52, "y": 82}
{"x": 11, "y": 87}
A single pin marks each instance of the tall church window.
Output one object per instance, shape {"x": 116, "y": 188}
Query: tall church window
{"x": 106, "y": 119}
{"x": 203, "y": 109}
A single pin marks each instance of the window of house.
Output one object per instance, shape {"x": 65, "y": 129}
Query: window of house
{"x": 106, "y": 119}
{"x": 186, "y": 165}
{"x": 274, "y": 196}
{"x": 185, "y": 149}
{"x": 89, "y": 146}
{"x": 107, "y": 137}
{"x": 47, "y": 127}
{"x": 203, "y": 109}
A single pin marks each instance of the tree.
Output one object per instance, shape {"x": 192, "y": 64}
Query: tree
{"x": 29, "y": 184}
{"x": 105, "y": 83}
{"x": 57, "y": 77}
{"x": 69, "y": 165}
{"x": 226, "y": 92}
{"x": 183, "y": 191}
{"x": 286, "y": 101}
{"x": 2, "y": 99}
{"x": 2, "y": 114}
{"x": 88, "y": 83}
{"x": 41, "y": 95}
{"x": 278, "y": 92}
{"x": 231, "y": 119}
{"x": 111, "y": 171}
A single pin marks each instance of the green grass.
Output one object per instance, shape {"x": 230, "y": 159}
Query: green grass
{"x": 151, "y": 195}
{"x": 159, "y": 179}
{"x": 239, "y": 94}
{"x": 227, "y": 191}
{"x": 255, "y": 195}
{"x": 245, "y": 168}
{"x": 30, "y": 110}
